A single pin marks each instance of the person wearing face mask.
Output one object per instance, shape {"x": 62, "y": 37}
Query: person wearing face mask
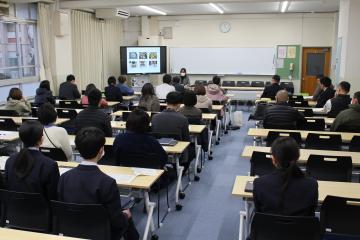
{"x": 184, "y": 78}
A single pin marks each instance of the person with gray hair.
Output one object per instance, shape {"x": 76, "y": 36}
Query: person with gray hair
{"x": 349, "y": 120}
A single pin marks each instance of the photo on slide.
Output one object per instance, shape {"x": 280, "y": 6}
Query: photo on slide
{"x": 143, "y": 55}
{"x": 142, "y": 64}
{"x": 153, "y": 64}
{"x": 153, "y": 55}
{"x": 132, "y": 55}
{"x": 133, "y": 64}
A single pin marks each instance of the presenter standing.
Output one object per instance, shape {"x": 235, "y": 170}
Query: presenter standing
{"x": 184, "y": 78}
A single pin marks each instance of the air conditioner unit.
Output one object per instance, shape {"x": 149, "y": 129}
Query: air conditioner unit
{"x": 111, "y": 13}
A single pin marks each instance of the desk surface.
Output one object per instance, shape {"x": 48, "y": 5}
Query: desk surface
{"x": 18, "y": 120}
{"x": 340, "y": 189}
{"x": 9, "y": 136}
{"x": 216, "y": 107}
{"x": 311, "y": 103}
{"x": 261, "y": 132}
{"x": 243, "y": 88}
{"x": 205, "y": 116}
{"x": 129, "y": 98}
{"x": 7, "y": 234}
{"x": 305, "y": 153}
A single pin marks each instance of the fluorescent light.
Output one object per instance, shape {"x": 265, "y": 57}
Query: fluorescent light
{"x": 216, "y": 8}
{"x": 153, "y": 10}
{"x": 284, "y": 6}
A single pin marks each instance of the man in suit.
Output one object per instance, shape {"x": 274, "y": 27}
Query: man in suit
{"x": 281, "y": 115}
{"x": 92, "y": 116}
{"x": 68, "y": 90}
{"x": 326, "y": 92}
{"x": 271, "y": 90}
{"x": 340, "y": 102}
{"x": 87, "y": 184}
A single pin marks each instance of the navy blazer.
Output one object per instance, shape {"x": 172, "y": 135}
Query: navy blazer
{"x": 43, "y": 178}
{"x": 113, "y": 93}
{"x": 300, "y": 197}
{"x": 271, "y": 91}
{"x": 87, "y": 184}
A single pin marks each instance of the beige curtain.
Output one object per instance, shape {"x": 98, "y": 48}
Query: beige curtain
{"x": 47, "y": 45}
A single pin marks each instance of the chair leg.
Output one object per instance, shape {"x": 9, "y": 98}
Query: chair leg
{"x": 241, "y": 226}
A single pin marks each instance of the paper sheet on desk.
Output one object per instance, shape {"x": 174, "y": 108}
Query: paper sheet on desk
{"x": 63, "y": 170}
{"x": 144, "y": 171}
{"x": 5, "y": 133}
{"x": 308, "y": 97}
{"x": 3, "y": 160}
{"x": 122, "y": 178}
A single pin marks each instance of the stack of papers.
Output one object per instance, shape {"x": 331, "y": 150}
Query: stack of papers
{"x": 144, "y": 172}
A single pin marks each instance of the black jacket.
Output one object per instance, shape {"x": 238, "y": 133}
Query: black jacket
{"x": 271, "y": 91}
{"x": 324, "y": 96}
{"x": 299, "y": 199}
{"x": 42, "y": 179}
{"x": 69, "y": 91}
{"x": 179, "y": 88}
{"x": 338, "y": 104}
{"x": 44, "y": 96}
{"x": 93, "y": 117}
{"x": 282, "y": 116}
{"x": 113, "y": 93}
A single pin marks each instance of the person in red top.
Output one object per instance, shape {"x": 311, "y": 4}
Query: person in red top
{"x": 85, "y": 99}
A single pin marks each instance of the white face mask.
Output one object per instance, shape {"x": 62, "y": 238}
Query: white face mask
{"x": 182, "y": 74}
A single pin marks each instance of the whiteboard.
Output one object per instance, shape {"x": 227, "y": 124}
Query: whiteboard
{"x": 236, "y": 61}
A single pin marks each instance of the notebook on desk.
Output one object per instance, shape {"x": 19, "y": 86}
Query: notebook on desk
{"x": 167, "y": 141}
{"x": 249, "y": 186}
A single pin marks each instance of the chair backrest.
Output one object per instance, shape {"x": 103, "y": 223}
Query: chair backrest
{"x": 66, "y": 113}
{"x": 273, "y": 135}
{"x": 275, "y": 227}
{"x": 257, "y": 84}
{"x": 289, "y": 86}
{"x": 140, "y": 160}
{"x": 7, "y": 124}
{"x": 216, "y": 102}
{"x": 201, "y": 82}
{"x": 313, "y": 124}
{"x": 57, "y": 154}
{"x": 340, "y": 216}
{"x": 88, "y": 221}
{"x": 323, "y": 141}
{"x": 158, "y": 135}
{"x": 306, "y": 112}
{"x": 125, "y": 116}
{"x": 298, "y": 103}
{"x": 261, "y": 164}
{"x": 259, "y": 112}
{"x": 205, "y": 110}
{"x": 8, "y": 113}
{"x": 34, "y": 112}
{"x": 329, "y": 168}
{"x": 228, "y": 83}
{"x": 243, "y": 84}
{"x": 267, "y": 83}
{"x": 299, "y": 98}
{"x": 70, "y": 104}
{"x": 26, "y": 211}
{"x": 195, "y": 121}
{"x": 355, "y": 144}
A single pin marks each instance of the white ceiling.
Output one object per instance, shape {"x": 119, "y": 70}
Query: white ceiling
{"x": 186, "y": 7}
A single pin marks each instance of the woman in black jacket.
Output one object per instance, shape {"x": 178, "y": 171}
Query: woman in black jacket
{"x": 44, "y": 94}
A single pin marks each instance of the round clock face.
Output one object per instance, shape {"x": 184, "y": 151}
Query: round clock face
{"x": 225, "y": 27}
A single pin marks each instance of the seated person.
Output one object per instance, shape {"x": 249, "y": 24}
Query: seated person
{"x": 163, "y": 89}
{"x": 92, "y": 116}
{"x": 137, "y": 141}
{"x": 85, "y": 99}
{"x": 281, "y": 115}
{"x": 271, "y": 90}
{"x": 68, "y": 90}
{"x": 202, "y": 101}
{"x": 189, "y": 110}
{"x": 176, "y": 83}
{"x": 124, "y": 88}
{"x": 214, "y": 92}
{"x": 349, "y": 119}
{"x": 286, "y": 191}
{"x": 340, "y": 102}
{"x": 184, "y": 78}
{"x": 317, "y": 91}
{"x": 148, "y": 99}
{"x": 16, "y": 102}
{"x": 326, "y": 92}
{"x": 44, "y": 94}
{"x": 87, "y": 184}
{"x": 54, "y": 136}
{"x": 113, "y": 93}
{"x": 29, "y": 170}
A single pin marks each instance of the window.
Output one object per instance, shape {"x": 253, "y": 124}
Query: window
{"x": 18, "y": 44}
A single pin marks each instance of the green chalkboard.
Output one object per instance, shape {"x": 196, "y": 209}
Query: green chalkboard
{"x": 284, "y": 71}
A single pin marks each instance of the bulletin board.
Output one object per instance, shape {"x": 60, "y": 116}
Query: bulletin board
{"x": 285, "y": 55}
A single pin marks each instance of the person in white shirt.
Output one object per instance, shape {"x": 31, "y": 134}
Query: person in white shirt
{"x": 54, "y": 137}
{"x": 163, "y": 89}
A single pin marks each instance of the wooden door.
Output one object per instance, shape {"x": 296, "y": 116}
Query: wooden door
{"x": 314, "y": 61}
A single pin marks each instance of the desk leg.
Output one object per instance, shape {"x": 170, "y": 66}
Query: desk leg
{"x": 179, "y": 170}
{"x": 198, "y": 151}
{"x": 149, "y": 222}
{"x": 218, "y": 123}
{"x": 210, "y": 144}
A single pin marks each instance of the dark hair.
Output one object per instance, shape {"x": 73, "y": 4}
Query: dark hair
{"x": 111, "y": 80}
{"x": 216, "y": 80}
{"x": 199, "y": 89}
{"x": 70, "y": 78}
{"x": 89, "y": 88}
{"x": 357, "y": 96}
{"x": 47, "y": 114}
{"x": 89, "y": 141}
{"x": 15, "y": 93}
{"x": 276, "y": 78}
{"x": 30, "y": 134}
{"x": 286, "y": 152}
{"x": 138, "y": 121}
{"x": 345, "y": 86}
{"x": 147, "y": 90}
{"x": 176, "y": 79}
{"x": 183, "y": 70}
{"x": 94, "y": 97}
{"x": 326, "y": 81}
{"x": 45, "y": 84}
{"x": 189, "y": 98}
{"x": 121, "y": 79}
{"x": 167, "y": 78}
{"x": 174, "y": 98}
{"x": 319, "y": 76}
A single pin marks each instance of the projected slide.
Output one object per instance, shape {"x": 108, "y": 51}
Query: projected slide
{"x": 143, "y": 60}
